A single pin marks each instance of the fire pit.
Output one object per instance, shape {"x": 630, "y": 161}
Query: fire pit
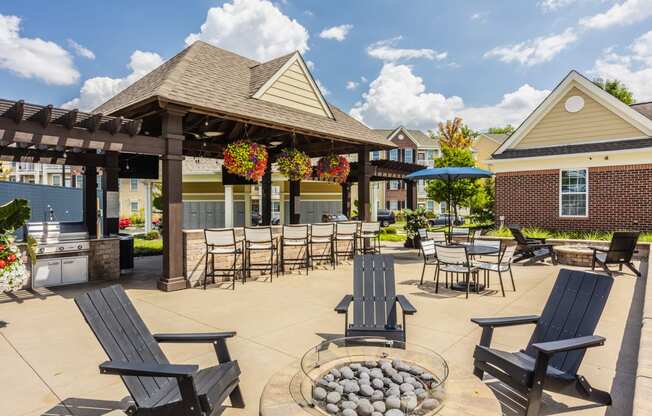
{"x": 361, "y": 376}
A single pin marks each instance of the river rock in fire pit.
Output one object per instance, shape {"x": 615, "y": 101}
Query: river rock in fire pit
{"x": 379, "y": 406}
{"x": 333, "y": 397}
{"x": 377, "y": 383}
{"x": 364, "y": 409}
{"x": 406, "y": 387}
{"x": 346, "y": 372}
{"x": 319, "y": 393}
{"x": 351, "y": 386}
{"x": 366, "y": 390}
{"x": 348, "y": 404}
{"x": 332, "y": 409}
{"x": 376, "y": 373}
{"x": 377, "y": 395}
{"x": 393, "y": 402}
{"x": 349, "y": 412}
{"x": 335, "y": 372}
{"x": 429, "y": 404}
{"x": 394, "y": 412}
{"x": 371, "y": 364}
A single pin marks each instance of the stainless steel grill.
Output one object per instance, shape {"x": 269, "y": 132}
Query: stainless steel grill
{"x": 55, "y": 237}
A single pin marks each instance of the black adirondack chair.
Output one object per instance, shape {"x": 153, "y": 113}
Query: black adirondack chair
{"x": 562, "y": 334}
{"x": 531, "y": 250}
{"x": 620, "y": 252}
{"x": 157, "y": 387}
{"x": 374, "y": 300}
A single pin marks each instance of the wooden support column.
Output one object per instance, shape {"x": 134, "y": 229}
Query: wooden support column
{"x": 295, "y": 202}
{"x": 266, "y": 197}
{"x": 90, "y": 200}
{"x": 346, "y": 199}
{"x": 172, "y": 129}
{"x": 411, "y": 200}
{"x": 111, "y": 195}
{"x": 364, "y": 173}
{"x": 229, "y": 209}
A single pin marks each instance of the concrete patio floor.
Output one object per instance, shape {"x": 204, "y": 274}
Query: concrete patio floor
{"x": 50, "y": 358}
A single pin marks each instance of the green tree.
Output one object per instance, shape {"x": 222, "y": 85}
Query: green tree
{"x": 482, "y": 202}
{"x": 454, "y": 134}
{"x": 616, "y": 88}
{"x": 501, "y": 130}
{"x": 461, "y": 191}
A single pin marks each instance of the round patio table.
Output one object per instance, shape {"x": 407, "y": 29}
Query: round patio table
{"x": 473, "y": 250}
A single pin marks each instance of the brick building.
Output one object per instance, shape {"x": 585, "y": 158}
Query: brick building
{"x": 581, "y": 161}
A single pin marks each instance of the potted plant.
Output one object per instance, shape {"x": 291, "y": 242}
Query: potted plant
{"x": 333, "y": 167}
{"x": 246, "y": 159}
{"x": 414, "y": 219}
{"x": 294, "y": 164}
{"x": 13, "y": 273}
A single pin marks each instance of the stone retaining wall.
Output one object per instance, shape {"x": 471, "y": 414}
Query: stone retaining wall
{"x": 104, "y": 259}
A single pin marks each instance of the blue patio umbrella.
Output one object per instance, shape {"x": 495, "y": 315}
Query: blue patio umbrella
{"x": 449, "y": 174}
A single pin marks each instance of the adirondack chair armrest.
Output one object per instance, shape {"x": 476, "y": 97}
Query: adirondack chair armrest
{"x": 579, "y": 343}
{"x": 148, "y": 369}
{"x": 407, "y": 307}
{"x": 506, "y": 321}
{"x": 343, "y": 306}
{"x": 535, "y": 240}
{"x": 194, "y": 338}
{"x": 598, "y": 249}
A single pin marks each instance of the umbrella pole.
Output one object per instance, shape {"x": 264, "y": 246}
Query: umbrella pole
{"x": 450, "y": 211}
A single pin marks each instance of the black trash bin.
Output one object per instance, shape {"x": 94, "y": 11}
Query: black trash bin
{"x": 126, "y": 253}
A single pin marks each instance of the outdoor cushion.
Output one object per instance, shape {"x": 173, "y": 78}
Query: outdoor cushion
{"x": 456, "y": 268}
{"x": 503, "y": 267}
{"x": 223, "y": 250}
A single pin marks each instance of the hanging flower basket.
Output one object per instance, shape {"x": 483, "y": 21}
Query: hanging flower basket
{"x": 333, "y": 167}
{"x": 13, "y": 273}
{"x": 246, "y": 159}
{"x": 294, "y": 164}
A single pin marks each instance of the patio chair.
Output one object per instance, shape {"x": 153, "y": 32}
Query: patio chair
{"x": 295, "y": 236}
{"x": 455, "y": 259}
{"x": 621, "y": 250}
{"x": 436, "y": 236}
{"x": 260, "y": 240}
{"x": 374, "y": 300}
{"x": 562, "y": 335}
{"x": 531, "y": 250}
{"x": 369, "y": 237}
{"x": 347, "y": 233}
{"x": 223, "y": 243}
{"x": 157, "y": 387}
{"x": 502, "y": 263}
{"x": 429, "y": 256}
{"x": 322, "y": 234}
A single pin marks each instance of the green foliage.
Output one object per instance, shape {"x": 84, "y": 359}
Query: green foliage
{"x": 147, "y": 247}
{"x": 454, "y": 134}
{"x": 616, "y": 88}
{"x": 14, "y": 215}
{"x": 535, "y": 232}
{"x": 152, "y": 235}
{"x": 136, "y": 219}
{"x": 482, "y": 202}
{"x": 415, "y": 219}
{"x": 501, "y": 130}
{"x": 157, "y": 196}
{"x": 462, "y": 190}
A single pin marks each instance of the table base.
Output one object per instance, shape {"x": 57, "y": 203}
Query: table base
{"x": 461, "y": 287}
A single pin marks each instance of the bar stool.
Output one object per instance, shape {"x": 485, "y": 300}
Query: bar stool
{"x": 346, "y": 232}
{"x": 260, "y": 239}
{"x": 223, "y": 243}
{"x": 295, "y": 236}
{"x": 369, "y": 231}
{"x": 322, "y": 234}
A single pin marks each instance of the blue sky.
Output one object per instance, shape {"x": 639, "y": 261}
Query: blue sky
{"x": 405, "y": 62}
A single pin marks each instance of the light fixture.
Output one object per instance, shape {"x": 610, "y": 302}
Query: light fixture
{"x": 275, "y": 143}
{"x": 213, "y": 133}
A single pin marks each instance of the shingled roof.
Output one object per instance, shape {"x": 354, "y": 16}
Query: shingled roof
{"x": 644, "y": 143}
{"x": 218, "y": 81}
{"x": 422, "y": 139}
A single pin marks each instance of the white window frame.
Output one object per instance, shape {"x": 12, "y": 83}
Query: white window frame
{"x": 394, "y": 185}
{"x": 405, "y": 153}
{"x": 586, "y": 193}
{"x": 58, "y": 177}
{"x": 131, "y": 206}
{"x": 133, "y": 181}
{"x": 375, "y": 155}
{"x": 393, "y": 154}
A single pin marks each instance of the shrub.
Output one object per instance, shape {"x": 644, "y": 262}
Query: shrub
{"x": 414, "y": 220}
{"x": 136, "y": 219}
{"x": 152, "y": 235}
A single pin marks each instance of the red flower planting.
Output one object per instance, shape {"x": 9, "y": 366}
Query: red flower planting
{"x": 333, "y": 167}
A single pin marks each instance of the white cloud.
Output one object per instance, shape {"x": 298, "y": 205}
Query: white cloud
{"x": 338, "y": 33}
{"x": 364, "y": 79}
{"x": 633, "y": 69}
{"x": 80, "y": 50}
{"x": 554, "y": 5}
{"x": 625, "y": 13}
{"x": 512, "y": 109}
{"x": 310, "y": 65}
{"x": 479, "y": 16}
{"x": 253, "y": 28}
{"x": 398, "y": 96}
{"x": 534, "y": 51}
{"x": 386, "y": 50}
{"x": 96, "y": 91}
{"x": 34, "y": 57}
{"x": 352, "y": 85}
{"x": 322, "y": 88}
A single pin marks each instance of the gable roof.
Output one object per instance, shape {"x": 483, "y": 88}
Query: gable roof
{"x": 574, "y": 78}
{"x": 571, "y": 149}
{"x": 217, "y": 81}
{"x": 496, "y": 137}
{"x": 421, "y": 139}
{"x": 643, "y": 108}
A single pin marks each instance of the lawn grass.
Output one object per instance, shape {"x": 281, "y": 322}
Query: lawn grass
{"x": 147, "y": 247}
{"x": 534, "y": 232}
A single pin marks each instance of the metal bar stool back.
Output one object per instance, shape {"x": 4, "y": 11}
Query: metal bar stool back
{"x": 221, "y": 242}
{"x": 370, "y": 238}
{"x": 296, "y": 237}
{"x": 346, "y": 233}
{"x": 322, "y": 234}
{"x": 260, "y": 239}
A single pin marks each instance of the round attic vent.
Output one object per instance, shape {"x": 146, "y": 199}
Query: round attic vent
{"x": 401, "y": 136}
{"x": 574, "y": 104}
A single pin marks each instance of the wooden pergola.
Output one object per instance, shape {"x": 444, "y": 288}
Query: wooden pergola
{"x": 44, "y": 134}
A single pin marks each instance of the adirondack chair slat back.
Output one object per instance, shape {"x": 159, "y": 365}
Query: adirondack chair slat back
{"x": 123, "y": 336}
{"x": 374, "y": 294}
{"x": 518, "y": 235}
{"x": 622, "y": 247}
{"x": 573, "y": 310}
